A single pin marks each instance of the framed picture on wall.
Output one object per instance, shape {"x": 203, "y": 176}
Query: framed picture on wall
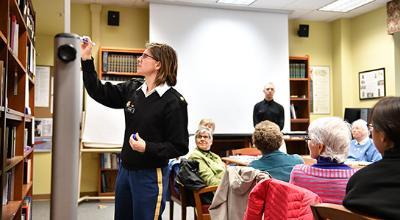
{"x": 372, "y": 84}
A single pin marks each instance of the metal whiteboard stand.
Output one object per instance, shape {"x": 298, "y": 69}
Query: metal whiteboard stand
{"x": 67, "y": 114}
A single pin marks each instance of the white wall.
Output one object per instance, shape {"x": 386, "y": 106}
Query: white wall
{"x": 225, "y": 59}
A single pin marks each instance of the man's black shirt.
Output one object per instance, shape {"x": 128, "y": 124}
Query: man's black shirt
{"x": 269, "y": 110}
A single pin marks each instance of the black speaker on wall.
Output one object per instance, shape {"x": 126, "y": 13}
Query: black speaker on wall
{"x": 113, "y": 18}
{"x": 303, "y": 30}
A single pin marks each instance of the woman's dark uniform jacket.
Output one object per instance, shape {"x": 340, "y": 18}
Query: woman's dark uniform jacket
{"x": 160, "y": 121}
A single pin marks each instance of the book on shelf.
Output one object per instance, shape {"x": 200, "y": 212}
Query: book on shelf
{"x": 27, "y": 171}
{"x": 108, "y": 181}
{"x": 5, "y": 191}
{"x": 106, "y": 161}
{"x": 8, "y": 188}
{"x": 11, "y": 134}
{"x": 14, "y": 35}
{"x": 292, "y": 112}
{"x": 109, "y": 160}
{"x": 105, "y": 61}
{"x": 26, "y": 208}
{"x": 15, "y": 90}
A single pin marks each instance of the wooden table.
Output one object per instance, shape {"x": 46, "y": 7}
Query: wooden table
{"x": 244, "y": 160}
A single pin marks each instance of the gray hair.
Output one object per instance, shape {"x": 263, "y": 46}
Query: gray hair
{"x": 334, "y": 134}
{"x": 202, "y": 130}
{"x": 361, "y": 124}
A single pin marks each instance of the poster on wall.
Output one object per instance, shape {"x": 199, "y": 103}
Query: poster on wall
{"x": 320, "y": 90}
{"x": 43, "y": 134}
{"x": 42, "y": 86}
{"x": 372, "y": 84}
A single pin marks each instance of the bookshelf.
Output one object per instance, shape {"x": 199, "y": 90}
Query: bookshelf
{"x": 17, "y": 74}
{"x": 299, "y": 77}
{"x": 104, "y": 192}
{"x": 118, "y": 64}
{"x": 299, "y": 93}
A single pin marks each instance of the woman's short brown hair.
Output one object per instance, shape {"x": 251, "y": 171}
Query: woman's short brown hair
{"x": 267, "y": 136}
{"x": 166, "y": 55}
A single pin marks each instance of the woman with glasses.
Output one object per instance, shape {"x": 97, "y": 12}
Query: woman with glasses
{"x": 362, "y": 148}
{"x": 329, "y": 144}
{"x": 155, "y": 128}
{"x": 375, "y": 189}
{"x": 211, "y": 167}
{"x": 204, "y": 123}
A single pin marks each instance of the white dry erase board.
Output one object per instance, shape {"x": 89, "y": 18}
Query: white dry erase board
{"x": 225, "y": 58}
{"x": 104, "y": 126}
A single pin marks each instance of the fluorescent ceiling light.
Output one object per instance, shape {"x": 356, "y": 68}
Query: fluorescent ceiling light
{"x": 237, "y": 2}
{"x": 345, "y": 5}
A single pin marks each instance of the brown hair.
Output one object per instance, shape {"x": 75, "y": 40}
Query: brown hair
{"x": 385, "y": 118}
{"x": 166, "y": 55}
{"x": 267, "y": 136}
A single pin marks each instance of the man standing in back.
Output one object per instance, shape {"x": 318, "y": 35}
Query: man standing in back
{"x": 268, "y": 109}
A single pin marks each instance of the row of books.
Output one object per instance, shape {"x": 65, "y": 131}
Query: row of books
{"x": 116, "y": 78}
{"x": 108, "y": 181}
{"x": 116, "y": 62}
{"x": 28, "y": 17}
{"x": 109, "y": 160}
{"x": 297, "y": 70}
{"x": 8, "y": 188}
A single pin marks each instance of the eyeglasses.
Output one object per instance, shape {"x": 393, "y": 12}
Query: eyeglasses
{"x": 203, "y": 136}
{"x": 144, "y": 56}
{"x": 307, "y": 138}
{"x": 370, "y": 127}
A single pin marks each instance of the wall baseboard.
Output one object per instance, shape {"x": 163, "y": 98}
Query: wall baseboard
{"x": 48, "y": 196}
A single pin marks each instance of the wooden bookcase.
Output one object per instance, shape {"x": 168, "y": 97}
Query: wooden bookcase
{"x": 299, "y": 93}
{"x": 114, "y": 65}
{"x": 299, "y": 77}
{"x": 17, "y": 73}
{"x": 118, "y": 64}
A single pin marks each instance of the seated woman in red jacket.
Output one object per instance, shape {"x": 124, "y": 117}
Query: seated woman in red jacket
{"x": 329, "y": 140}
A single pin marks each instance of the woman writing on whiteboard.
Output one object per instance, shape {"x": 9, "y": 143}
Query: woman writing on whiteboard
{"x": 155, "y": 128}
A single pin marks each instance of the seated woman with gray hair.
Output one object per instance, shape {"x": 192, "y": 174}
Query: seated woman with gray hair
{"x": 211, "y": 167}
{"x": 328, "y": 142}
{"x": 362, "y": 148}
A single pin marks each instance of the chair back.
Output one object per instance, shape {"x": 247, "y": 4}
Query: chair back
{"x": 251, "y": 151}
{"x": 201, "y": 208}
{"x": 323, "y": 211}
{"x": 178, "y": 195}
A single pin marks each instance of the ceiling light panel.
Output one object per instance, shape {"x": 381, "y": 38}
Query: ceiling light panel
{"x": 345, "y": 5}
{"x": 237, "y": 2}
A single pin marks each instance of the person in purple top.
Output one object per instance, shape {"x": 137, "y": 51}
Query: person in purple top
{"x": 328, "y": 142}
